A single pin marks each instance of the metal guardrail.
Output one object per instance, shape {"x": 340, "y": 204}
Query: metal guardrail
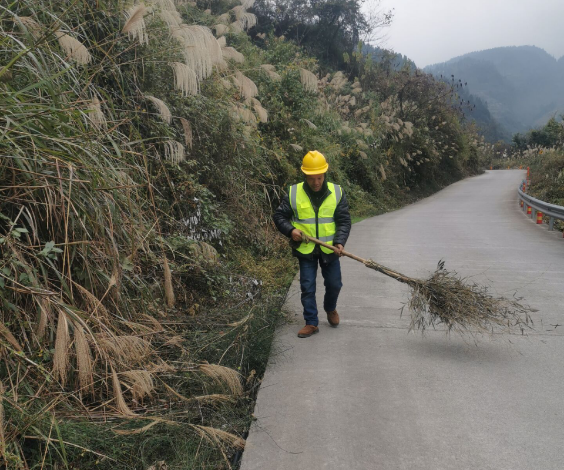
{"x": 536, "y": 205}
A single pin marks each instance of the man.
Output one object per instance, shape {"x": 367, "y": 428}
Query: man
{"x": 318, "y": 209}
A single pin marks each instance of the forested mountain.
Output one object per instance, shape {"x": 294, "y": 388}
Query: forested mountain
{"x": 522, "y": 86}
{"x": 471, "y": 107}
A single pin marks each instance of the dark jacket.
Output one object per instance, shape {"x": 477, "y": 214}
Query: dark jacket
{"x": 284, "y": 214}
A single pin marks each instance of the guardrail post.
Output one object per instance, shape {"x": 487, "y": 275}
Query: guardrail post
{"x": 538, "y": 209}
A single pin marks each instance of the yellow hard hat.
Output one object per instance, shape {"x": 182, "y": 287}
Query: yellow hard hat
{"x": 314, "y": 163}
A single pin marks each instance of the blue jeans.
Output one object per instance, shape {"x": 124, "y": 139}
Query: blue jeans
{"x": 331, "y": 273}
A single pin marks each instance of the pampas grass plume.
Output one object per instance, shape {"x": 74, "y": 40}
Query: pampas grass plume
{"x": 218, "y": 436}
{"x": 247, "y": 87}
{"x": 309, "y": 80}
{"x": 118, "y": 395}
{"x": 95, "y": 113}
{"x": 261, "y": 112}
{"x": 141, "y": 381}
{"x": 135, "y": 23}
{"x": 169, "y": 291}
{"x": 271, "y": 71}
{"x": 222, "y": 374}
{"x": 31, "y": 25}
{"x": 83, "y": 360}
{"x": 62, "y": 343}
{"x": 164, "y": 112}
{"x": 8, "y": 336}
{"x": 2, "y": 436}
{"x": 221, "y": 29}
{"x": 185, "y": 78}
{"x": 233, "y": 54}
{"x": 188, "y": 136}
{"x": 74, "y": 48}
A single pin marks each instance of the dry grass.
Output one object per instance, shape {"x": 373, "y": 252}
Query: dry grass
{"x": 121, "y": 405}
{"x": 141, "y": 382}
{"x": 8, "y": 336}
{"x": 224, "y": 375}
{"x": 217, "y": 436}
{"x": 125, "y": 350}
{"x": 92, "y": 304}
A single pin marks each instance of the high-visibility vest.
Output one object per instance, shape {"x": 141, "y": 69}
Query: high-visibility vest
{"x": 321, "y": 225}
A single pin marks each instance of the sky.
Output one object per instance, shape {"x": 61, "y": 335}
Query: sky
{"x": 433, "y": 31}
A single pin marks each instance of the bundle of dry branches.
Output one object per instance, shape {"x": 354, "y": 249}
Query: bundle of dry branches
{"x": 445, "y": 298}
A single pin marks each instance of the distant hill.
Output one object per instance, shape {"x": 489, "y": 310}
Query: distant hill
{"x": 489, "y": 126}
{"x": 522, "y": 86}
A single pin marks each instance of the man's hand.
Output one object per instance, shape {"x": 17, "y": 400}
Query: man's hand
{"x": 296, "y": 235}
{"x": 339, "y": 250}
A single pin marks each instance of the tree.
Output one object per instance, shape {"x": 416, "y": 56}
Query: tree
{"x": 325, "y": 28}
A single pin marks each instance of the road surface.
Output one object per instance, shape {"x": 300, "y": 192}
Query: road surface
{"x": 368, "y": 395}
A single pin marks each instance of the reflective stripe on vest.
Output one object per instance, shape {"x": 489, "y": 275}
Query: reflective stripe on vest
{"x": 304, "y": 216}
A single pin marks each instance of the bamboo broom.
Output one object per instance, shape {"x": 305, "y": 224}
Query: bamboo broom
{"x": 445, "y": 298}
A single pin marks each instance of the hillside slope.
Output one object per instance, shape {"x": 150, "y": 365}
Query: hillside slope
{"x": 523, "y": 86}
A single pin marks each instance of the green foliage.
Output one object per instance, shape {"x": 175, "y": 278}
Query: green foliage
{"x": 550, "y": 135}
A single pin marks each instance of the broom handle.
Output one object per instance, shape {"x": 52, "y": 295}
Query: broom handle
{"x": 372, "y": 264}
{"x": 331, "y": 247}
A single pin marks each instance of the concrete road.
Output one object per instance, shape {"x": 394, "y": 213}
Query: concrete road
{"x": 368, "y": 395}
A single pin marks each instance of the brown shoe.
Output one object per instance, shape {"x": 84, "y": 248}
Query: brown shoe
{"x": 307, "y": 331}
{"x": 333, "y": 318}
